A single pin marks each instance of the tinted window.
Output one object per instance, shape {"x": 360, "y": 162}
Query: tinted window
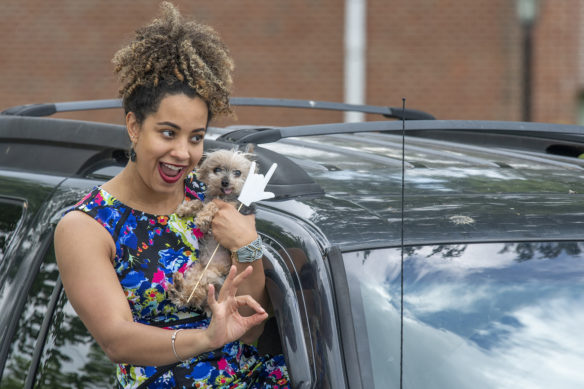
{"x": 494, "y": 315}
{"x": 10, "y": 215}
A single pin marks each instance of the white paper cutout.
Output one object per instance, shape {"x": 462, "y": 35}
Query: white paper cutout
{"x": 254, "y": 185}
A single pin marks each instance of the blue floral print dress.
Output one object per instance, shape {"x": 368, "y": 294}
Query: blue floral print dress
{"x": 149, "y": 249}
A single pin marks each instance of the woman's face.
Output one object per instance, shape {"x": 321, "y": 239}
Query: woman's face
{"x": 169, "y": 143}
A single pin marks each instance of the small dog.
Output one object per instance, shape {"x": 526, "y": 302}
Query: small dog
{"x": 224, "y": 173}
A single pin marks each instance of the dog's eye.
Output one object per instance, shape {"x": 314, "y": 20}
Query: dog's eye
{"x": 237, "y": 173}
{"x": 217, "y": 170}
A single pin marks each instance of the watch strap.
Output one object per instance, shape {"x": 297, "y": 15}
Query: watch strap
{"x": 250, "y": 252}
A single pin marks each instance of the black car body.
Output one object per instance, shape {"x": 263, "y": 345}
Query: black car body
{"x": 460, "y": 265}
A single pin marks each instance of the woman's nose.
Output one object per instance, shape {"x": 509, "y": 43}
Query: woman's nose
{"x": 180, "y": 150}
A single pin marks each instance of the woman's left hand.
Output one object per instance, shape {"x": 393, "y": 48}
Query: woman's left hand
{"x": 232, "y": 229}
{"x": 227, "y": 324}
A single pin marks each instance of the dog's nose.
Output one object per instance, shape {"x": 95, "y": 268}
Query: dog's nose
{"x": 224, "y": 183}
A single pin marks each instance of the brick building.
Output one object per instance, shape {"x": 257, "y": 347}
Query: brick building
{"x": 454, "y": 58}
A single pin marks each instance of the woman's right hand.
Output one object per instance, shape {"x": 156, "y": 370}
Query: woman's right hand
{"x": 227, "y": 324}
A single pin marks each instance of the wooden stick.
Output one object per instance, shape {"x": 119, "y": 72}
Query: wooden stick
{"x": 208, "y": 263}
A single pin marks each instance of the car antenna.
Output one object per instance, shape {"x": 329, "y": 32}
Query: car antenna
{"x": 403, "y": 174}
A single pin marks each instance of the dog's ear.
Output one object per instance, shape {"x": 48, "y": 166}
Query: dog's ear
{"x": 202, "y": 172}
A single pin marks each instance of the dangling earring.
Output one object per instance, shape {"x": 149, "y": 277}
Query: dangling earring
{"x": 132, "y": 151}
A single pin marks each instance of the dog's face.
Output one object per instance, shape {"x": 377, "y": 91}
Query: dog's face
{"x": 224, "y": 173}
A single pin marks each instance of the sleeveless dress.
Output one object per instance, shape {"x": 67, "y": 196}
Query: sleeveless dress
{"x": 149, "y": 249}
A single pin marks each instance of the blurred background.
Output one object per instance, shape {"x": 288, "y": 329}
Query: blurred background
{"x": 456, "y": 59}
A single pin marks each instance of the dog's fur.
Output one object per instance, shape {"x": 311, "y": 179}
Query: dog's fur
{"x": 224, "y": 173}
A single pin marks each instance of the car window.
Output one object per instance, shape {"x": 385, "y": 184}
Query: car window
{"x": 500, "y": 315}
{"x": 11, "y": 212}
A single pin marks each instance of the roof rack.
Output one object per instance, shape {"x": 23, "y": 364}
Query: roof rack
{"x": 81, "y": 149}
{"x": 47, "y": 109}
{"x": 388, "y": 112}
{"x": 262, "y": 135}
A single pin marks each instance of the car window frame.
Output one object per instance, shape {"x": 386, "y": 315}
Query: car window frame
{"x": 359, "y": 373}
{"x": 288, "y": 314}
{"x": 37, "y": 354}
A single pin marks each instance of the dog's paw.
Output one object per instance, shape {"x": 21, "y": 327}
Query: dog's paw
{"x": 205, "y": 217}
{"x": 203, "y": 222}
{"x": 189, "y": 208}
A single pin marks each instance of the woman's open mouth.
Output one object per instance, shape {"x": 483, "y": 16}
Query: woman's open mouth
{"x": 170, "y": 173}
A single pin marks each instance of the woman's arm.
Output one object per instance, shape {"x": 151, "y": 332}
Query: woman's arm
{"x": 233, "y": 231}
{"x": 84, "y": 252}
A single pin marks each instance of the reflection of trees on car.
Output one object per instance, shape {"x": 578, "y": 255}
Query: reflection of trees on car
{"x": 545, "y": 250}
{"x": 525, "y": 251}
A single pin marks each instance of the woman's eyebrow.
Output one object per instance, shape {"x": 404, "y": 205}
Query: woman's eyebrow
{"x": 176, "y": 127}
{"x": 170, "y": 124}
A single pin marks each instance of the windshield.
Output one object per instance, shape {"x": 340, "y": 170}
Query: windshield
{"x": 487, "y": 315}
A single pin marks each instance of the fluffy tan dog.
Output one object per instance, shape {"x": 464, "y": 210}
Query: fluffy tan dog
{"x": 224, "y": 173}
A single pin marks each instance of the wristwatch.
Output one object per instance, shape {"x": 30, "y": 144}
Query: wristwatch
{"x": 250, "y": 252}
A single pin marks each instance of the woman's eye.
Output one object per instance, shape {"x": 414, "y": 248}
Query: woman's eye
{"x": 168, "y": 133}
{"x": 197, "y": 138}
{"x": 237, "y": 173}
{"x": 217, "y": 170}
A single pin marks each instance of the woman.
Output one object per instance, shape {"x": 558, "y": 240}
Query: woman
{"x": 119, "y": 246}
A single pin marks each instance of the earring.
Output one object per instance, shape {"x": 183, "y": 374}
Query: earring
{"x": 132, "y": 154}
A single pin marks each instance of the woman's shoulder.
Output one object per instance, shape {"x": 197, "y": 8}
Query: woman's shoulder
{"x": 99, "y": 205}
{"x": 75, "y": 223}
{"x": 73, "y": 219}
{"x": 95, "y": 199}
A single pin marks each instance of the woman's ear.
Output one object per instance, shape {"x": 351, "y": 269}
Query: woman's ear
{"x": 132, "y": 126}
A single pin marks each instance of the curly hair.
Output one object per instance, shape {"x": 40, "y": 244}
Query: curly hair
{"x": 171, "y": 56}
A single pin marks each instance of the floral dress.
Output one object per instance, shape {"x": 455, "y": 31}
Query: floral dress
{"x": 149, "y": 249}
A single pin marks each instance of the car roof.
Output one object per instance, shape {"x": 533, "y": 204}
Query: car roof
{"x": 464, "y": 181}
{"x": 456, "y": 189}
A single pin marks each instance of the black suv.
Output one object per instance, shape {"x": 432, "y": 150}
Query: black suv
{"x": 414, "y": 253}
